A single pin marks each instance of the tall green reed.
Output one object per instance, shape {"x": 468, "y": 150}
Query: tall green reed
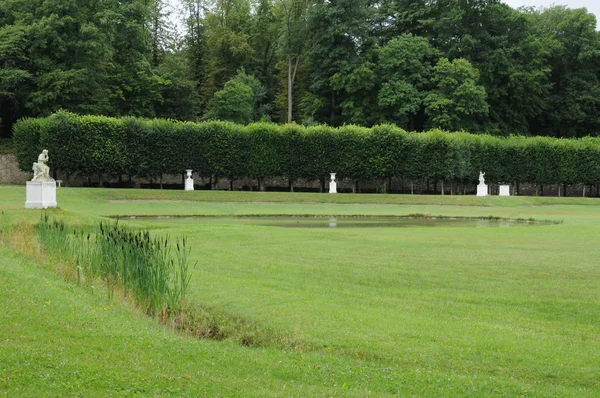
{"x": 150, "y": 269}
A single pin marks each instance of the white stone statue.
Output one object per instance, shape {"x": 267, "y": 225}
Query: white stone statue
{"x": 41, "y": 171}
{"x": 482, "y": 188}
{"x": 41, "y": 191}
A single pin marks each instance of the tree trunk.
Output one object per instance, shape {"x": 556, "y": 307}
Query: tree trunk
{"x": 322, "y": 183}
{"x": 442, "y": 187}
{"x": 333, "y": 107}
{"x": 291, "y": 78}
{"x": 412, "y": 187}
{"x": 291, "y": 184}
{"x": 517, "y": 189}
{"x": 584, "y": 190}
{"x": 290, "y": 88}
{"x": 161, "y": 178}
{"x": 389, "y": 185}
{"x": 565, "y": 189}
{"x": 231, "y": 184}
{"x": 356, "y": 190}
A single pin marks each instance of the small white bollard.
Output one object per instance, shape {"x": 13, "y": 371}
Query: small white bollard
{"x": 189, "y": 182}
{"x": 332, "y": 184}
{"x": 504, "y": 190}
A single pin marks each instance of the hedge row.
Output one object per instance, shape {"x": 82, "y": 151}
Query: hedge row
{"x": 93, "y": 145}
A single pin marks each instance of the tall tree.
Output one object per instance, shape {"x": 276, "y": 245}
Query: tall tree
{"x": 227, "y": 25}
{"x": 339, "y": 36}
{"x": 293, "y": 38}
{"x": 405, "y": 66}
{"x": 499, "y": 42}
{"x": 458, "y": 100}
{"x": 574, "y": 99}
{"x": 264, "y": 38}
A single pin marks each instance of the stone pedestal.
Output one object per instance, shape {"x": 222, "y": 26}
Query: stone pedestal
{"x": 332, "y": 184}
{"x": 189, "y": 182}
{"x": 482, "y": 190}
{"x": 41, "y": 194}
{"x": 504, "y": 190}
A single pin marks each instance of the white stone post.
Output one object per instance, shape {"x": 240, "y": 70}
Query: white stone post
{"x": 504, "y": 190}
{"x": 332, "y": 184}
{"x": 189, "y": 182}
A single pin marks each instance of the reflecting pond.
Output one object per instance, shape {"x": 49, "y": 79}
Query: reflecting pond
{"x": 335, "y": 222}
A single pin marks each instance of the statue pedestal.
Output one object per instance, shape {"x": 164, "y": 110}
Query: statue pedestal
{"x": 504, "y": 190}
{"x": 333, "y": 187}
{"x": 189, "y": 184}
{"x": 482, "y": 190}
{"x": 41, "y": 194}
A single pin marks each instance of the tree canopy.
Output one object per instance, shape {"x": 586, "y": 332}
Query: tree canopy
{"x": 473, "y": 65}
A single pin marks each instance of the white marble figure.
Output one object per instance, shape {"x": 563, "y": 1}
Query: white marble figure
{"x": 41, "y": 190}
{"x": 189, "y": 182}
{"x": 332, "y": 184}
{"x": 41, "y": 171}
{"x": 482, "y": 188}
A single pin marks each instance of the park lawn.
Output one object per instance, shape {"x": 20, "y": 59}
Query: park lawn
{"x": 423, "y": 311}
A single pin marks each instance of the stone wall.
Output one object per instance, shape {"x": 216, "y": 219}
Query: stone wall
{"x": 9, "y": 171}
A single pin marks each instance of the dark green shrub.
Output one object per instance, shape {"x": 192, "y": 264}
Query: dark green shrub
{"x": 96, "y": 145}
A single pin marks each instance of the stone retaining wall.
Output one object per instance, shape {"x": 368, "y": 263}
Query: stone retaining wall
{"x": 10, "y": 174}
{"x": 9, "y": 171}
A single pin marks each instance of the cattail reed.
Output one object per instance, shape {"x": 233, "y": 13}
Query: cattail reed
{"x": 133, "y": 261}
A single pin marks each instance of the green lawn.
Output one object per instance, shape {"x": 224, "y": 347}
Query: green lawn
{"x": 418, "y": 311}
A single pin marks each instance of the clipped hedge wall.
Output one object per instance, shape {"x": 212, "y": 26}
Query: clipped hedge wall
{"x": 94, "y": 145}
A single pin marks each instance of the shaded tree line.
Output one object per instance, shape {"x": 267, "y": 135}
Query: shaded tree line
{"x": 473, "y": 65}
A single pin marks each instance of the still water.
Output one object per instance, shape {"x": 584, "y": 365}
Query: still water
{"x": 334, "y": 222}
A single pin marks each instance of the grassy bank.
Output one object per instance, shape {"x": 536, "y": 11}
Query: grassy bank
{"x": 408, "y": 311}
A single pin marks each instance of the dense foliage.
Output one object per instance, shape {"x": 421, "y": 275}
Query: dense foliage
{"x": 478, "y": 66}
{"x": 97, "y": 145}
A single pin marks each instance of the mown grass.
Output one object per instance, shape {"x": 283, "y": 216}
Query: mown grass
{"x": 406, "y": 311}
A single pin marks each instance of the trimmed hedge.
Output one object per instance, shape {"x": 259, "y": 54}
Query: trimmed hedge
{"x": 96, "y": 145}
